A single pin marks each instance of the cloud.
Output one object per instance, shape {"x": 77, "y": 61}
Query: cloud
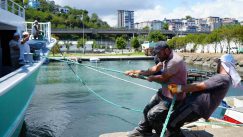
{"x": 110, "y": 19}
{"x": 107, "y": 7}
{"x": 221, "y": 8}
{"x": 150, "y": 14}
{"x": 159, "y": 9}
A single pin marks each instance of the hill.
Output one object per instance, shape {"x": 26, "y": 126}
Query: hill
{"x": 72, "y": 19}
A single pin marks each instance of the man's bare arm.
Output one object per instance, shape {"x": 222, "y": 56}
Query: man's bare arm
{"x": 160, "y": 78}
{"x": 148, "y": 72}
{"x": 195, "y": 87}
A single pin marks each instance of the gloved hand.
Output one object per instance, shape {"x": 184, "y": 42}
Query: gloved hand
{"x": 174, "y": 89}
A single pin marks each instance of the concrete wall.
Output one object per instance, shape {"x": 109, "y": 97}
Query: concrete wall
{"x": 210, "y": 48}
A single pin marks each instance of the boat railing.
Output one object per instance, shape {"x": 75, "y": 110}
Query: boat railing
{"x": 45, "y": 30}
{"x": 13, "y": 7}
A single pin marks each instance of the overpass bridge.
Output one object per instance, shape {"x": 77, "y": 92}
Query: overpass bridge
{"x": 121, "y": 31}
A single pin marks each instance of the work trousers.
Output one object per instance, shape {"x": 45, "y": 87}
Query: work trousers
{"x": 154, "y": 113}
{"x": 180, "y": 116}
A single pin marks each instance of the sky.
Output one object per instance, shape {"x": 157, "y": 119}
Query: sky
{"x": 148, "y": 10}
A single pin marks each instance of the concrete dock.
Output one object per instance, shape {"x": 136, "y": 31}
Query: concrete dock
{"x": 200, "y": 132}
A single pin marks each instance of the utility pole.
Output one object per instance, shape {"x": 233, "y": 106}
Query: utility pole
{"x": 82, "y": 18}
{"x": 83, "y": 33}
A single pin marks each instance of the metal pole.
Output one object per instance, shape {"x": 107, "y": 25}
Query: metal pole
{"x": 83, "y": 33}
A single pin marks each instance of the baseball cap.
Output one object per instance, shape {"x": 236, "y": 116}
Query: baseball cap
{"x": 159, "y": 46}
{"x": 16, "y": 34}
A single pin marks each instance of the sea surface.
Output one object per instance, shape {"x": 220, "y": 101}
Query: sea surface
{"x": 63, "y": 107}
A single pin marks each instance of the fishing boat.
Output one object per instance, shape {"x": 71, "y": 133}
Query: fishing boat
{"x": 94, "y": 60}
{"x": 17, "y": 85}
{"x": 234, "y": 113}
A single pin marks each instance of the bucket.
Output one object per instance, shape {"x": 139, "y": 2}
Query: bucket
{"x": 28, "y": 57}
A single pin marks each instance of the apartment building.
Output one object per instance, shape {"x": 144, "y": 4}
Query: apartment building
{"x": 152, "y": 25}
{"x": 125, "y": 19}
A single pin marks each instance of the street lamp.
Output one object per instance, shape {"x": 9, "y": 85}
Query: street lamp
{"x": 82, "y": 18}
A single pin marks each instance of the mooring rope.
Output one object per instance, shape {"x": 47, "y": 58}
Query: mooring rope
{"x": 127, "y": 108}
{"x": 93, "y": 68}
{"x": 168, "y": 117}
{"x": 101, "y": 97}
{"x": 96, "y": 94}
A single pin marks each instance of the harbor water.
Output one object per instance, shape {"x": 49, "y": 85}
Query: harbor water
{"x": 63, "y": 107}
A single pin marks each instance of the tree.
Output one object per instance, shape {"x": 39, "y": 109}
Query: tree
{"x": 67, "y": 44}
{"x": 238, "y": 35}
{"x": 47, "y": 12}
{"x": 81, "y": 42}
{"x": 94, "y": 18}
{"x": 156, "y": 36}
{"x": 26, "y": 2}
{"x": 227, "y": 34}
{"x": 172, "y": 42}
{"x": 95, "y": 45}
{"x": 135, "y": 43}
{"x": 193, "y": 38}
{"x": 56, "y": 48}
{"x": 146, "y": 28}
{"x": 121, "y": 43}
{"x": 166, "y": 26}
{"x": 214, "y": 38}
{"x": 188, "y": 17}
{"x": 201, "y": 39}
{"x": 181, "y": 43}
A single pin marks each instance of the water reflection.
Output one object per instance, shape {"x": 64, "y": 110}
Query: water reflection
{"x": 62, "y": 106}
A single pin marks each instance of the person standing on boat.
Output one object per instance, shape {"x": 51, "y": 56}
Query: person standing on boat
{"x": 173, "y": 70}
{"x": 35, "y": 29}
{"x": 24, "y": 47}
{"x": 14, "y": 50}
{"x": 205, "y": 96}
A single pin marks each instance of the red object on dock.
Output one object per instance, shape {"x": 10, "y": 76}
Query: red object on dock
{"x": 229, "y": 119}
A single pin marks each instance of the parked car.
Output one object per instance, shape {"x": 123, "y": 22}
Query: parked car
{"x": 240, "y": 50}
{"x": 233, "y": 50}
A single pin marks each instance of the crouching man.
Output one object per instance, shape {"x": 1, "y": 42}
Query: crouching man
{"x": 205, "y": 96}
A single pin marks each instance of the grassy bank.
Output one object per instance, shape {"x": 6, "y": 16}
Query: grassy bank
{"x": 97, "y": 54}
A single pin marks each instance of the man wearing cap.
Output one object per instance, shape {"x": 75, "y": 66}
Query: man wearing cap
{"x": 205, "y": 96}
{"x": 24, "y": 47}
{"x": 14, "y": 50}
{"x": 173, "y": 70}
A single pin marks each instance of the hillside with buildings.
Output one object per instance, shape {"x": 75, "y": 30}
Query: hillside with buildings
{"x": 188, "y": 24}
{"x": 61, "y": 17}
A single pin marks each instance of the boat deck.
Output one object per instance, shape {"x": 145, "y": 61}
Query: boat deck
{"x": 4, "y": 70}
{"x": 197, "y": 132}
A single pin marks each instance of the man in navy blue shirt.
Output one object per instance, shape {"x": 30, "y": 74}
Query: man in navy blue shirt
{"x": 205, "y": 96}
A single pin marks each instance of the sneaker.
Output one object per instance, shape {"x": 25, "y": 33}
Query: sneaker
{"x": 136, "y": 133}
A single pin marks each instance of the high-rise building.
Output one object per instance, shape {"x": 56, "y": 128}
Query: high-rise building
{"x": 34, "y": 3}
{"x": 125, "y": 19}
{"x": 152, "y": 25}
{"x": 214, "y": 22}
